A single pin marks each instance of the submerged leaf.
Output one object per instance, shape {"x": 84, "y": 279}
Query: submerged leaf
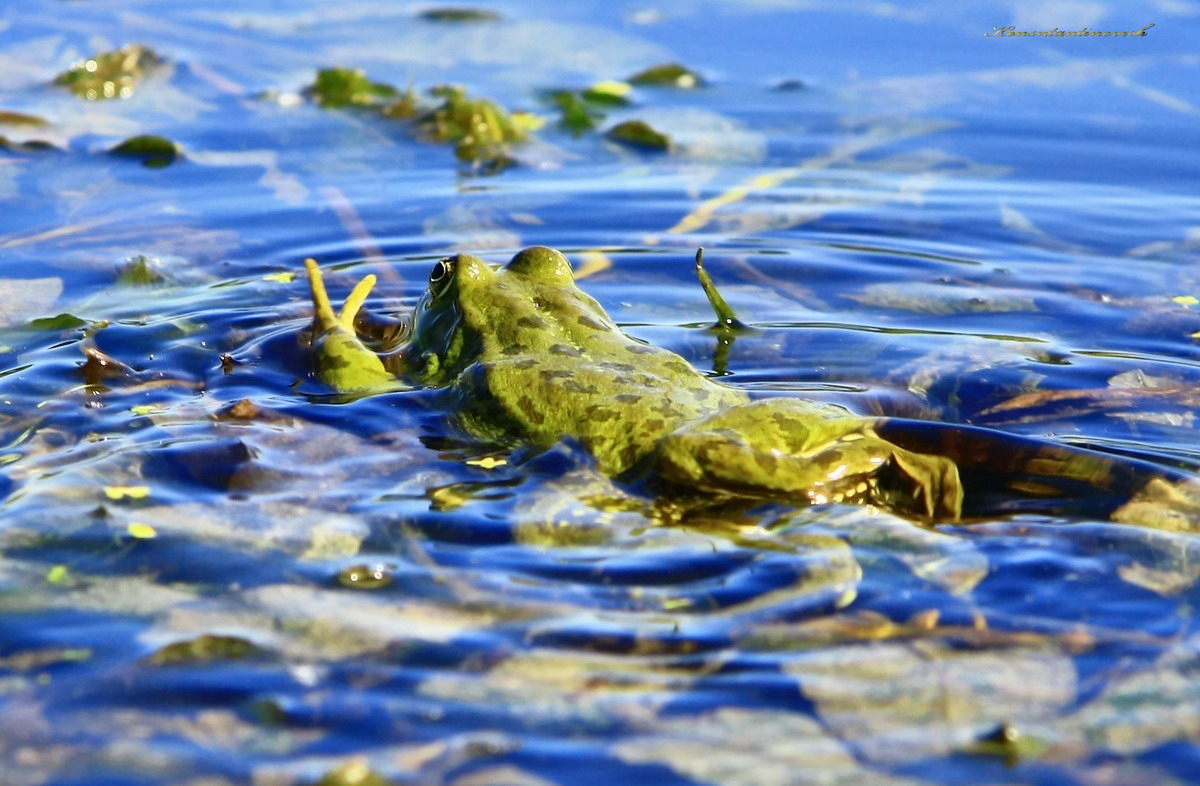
{"x": 113, "y": 74}
{"x": 942, "y": 300}
{"x": 637, "y": 133}
{"x": 668, "y": 75}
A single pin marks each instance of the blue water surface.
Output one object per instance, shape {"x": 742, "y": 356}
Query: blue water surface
{"x": 916, "y": 217}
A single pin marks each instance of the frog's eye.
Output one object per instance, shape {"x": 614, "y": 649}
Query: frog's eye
{"x": 440, "y": 276}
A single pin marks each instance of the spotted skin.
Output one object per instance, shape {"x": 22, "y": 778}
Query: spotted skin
{"x": 531, "y": 358}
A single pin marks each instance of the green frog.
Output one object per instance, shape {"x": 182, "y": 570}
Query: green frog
{"x": 530, "y": 358}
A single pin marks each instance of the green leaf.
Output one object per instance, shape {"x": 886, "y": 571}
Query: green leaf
{"x": 60, "y": 322}
{"x": 668, "y": 75}
{"x": 481, "y": 129}
{"x": 636, "y": 133}
{"x": 577, "y": 117}
{"x": 339, "y": 87}
{"x": 113, "y": 74}
{"x": 155, "y": 151}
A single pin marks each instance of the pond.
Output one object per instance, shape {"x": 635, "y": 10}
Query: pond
{"x": 217, "y": 569}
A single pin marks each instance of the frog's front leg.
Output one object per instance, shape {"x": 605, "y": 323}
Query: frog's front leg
{"x": 787, "y": 449}
{"x": 341, "y": 359}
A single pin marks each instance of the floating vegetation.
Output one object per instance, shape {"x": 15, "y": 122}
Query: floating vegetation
{"x": 340, "y": 87}
{"x": 668, "y": 75}
{"x": 60, "y": 322}
{"x": 637, "y": 133}
{"x": 482, "y": 130}
{"x": 154, "y": 151}
{"x": 576, "y": 115}
{"x": 609, "y": 93}
{"x": 581, "y": 110}
{"x": 113, "y": 74}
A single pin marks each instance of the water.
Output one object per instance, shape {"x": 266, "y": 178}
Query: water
{"x": 989, "y": 231}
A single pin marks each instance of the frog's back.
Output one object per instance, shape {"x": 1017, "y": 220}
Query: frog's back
{"x": 555, "y": 365}
{"x": 619, "y": 404}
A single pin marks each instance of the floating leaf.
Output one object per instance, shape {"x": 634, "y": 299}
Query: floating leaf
{"x": 367, "y": 577}
{"x": 286, "y": 277}
{"x": 609, "y": 93}
{"x": 20, "y": 119}
{"x": 155, "y": 151}
{"x": 488, "y": 462}
{"x": 203, "y": 649}
{"x": 140, "y": 270}
{"x": 338, "y": 87}
{"x": 126, "y": 492}
{"x": 668, "y": 75}
{"x": 141, "y": 531}
{"x": 481, "y": 129}
{"x": 406, "y": 107}
{"x": 59, "y": 574}
{"x": 637, "y": 133}
{"x": 109, "y": 74}
{"x": 63, "y": 321}
{"x": 459, "y": 15}
{"x": 576, "y": 116}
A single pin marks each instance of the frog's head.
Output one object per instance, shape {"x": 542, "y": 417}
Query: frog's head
{"x": 441, "y": 343}
{"x": 472, "y": 309}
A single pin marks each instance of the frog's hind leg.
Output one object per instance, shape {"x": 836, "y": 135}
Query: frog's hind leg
{"x": 800, "y": 451}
